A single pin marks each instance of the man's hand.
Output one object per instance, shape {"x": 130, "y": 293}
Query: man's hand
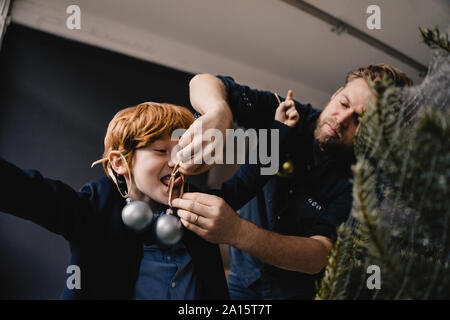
{"x": 286, "y": 111}
{"x": 208, "y": 96}
{"x": 208, "y": 216}
{"x": 196, "y": 146}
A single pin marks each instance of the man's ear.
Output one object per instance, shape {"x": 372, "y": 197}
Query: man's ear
{"x": 336, "y": 93}
{"x": 117, "y": 163}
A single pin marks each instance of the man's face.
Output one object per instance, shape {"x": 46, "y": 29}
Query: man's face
{"x": 337, "y": 124}
{"x": 151, "y": 172}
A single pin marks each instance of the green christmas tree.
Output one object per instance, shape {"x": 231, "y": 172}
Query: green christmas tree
{"x": 399, "y": 225}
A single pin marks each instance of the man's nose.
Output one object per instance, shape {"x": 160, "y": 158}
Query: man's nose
{"x": 344, "y": 117}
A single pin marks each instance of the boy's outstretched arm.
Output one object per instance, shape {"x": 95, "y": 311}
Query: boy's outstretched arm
{"x": 49, "y": 203}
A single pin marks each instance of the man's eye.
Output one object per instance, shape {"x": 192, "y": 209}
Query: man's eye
{"x": 160, "y": 150}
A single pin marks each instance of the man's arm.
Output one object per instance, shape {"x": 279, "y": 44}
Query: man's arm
{"x": 218, "y": 223}
{"x": 208, "y": 97}
{"x": 250, "y": 108}
{"x": 208, "y": 94}
{"x": 301, "y": 254}
{"x": 221, "y": 100}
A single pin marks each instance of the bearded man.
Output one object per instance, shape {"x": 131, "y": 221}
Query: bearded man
{"x": 280, "y": 240}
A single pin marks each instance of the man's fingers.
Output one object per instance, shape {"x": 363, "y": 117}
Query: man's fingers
{"x": 192, "y": 206}
{"x": 289, "y": 95}
{"x": 285, "y": 105}
{"x": 193, "y": 169}
{"x": 291, "y": 112}
{"x": 187, "y": 137}
{"x": 189, "y": 151}
{"x": 205, "y": 156}
{"x": 189, "y": 216}
{"x": 209, "y": 155}
{"x": 191, "y": 133}
{"x": 193, "y": 227}
{"x": 289, "y": 103}
{"x": 193, "y": 218}
{"x": 203, "y": 198}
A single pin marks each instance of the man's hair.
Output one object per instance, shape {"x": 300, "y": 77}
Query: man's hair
{"x": 136, "y": 127}
{"x": 375, "y": 72}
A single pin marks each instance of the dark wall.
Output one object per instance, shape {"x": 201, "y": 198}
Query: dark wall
{"x": 56, "y": 100}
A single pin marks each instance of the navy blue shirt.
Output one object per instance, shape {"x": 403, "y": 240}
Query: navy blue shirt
{"x": 311, "y": 201}
{"x": 166, "y": 273}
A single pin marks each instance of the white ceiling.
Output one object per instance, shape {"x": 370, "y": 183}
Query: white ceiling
{"x": 264, "y": 43}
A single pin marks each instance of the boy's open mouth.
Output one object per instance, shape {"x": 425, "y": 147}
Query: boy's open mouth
{"x": 176, "y": 183}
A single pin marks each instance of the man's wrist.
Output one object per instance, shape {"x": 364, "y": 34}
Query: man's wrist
{"x": 239, "y": 233}
{"x": 221, "y": 111}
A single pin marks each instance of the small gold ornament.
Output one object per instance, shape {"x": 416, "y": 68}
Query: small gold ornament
{"x": 286, "y": 170}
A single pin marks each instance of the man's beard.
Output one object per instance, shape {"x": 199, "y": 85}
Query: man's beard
{"x": 327, "y": 144}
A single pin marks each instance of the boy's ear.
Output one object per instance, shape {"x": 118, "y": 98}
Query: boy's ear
{"x": 117, "y": 163}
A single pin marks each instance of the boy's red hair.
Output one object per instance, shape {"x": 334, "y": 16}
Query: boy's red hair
{"x": 137, "y": 127}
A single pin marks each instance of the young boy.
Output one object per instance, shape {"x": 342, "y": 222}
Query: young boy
{"x": 115, "y": 261}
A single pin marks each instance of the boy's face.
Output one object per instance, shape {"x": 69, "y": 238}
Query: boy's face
{"x": 151, "y": 172}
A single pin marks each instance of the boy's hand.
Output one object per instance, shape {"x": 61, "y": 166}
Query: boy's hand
{"x": 286, "y": 111}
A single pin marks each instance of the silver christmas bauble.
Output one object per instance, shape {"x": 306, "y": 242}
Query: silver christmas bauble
{"x": 137, "y": 215}
{"x": 169, "y": 229}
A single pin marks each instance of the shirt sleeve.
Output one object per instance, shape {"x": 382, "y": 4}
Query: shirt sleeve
{"x": 49, "y": 203}
{"x": 337, "y": 212}
{"x": 253, "y": 108}
{"x": 248, "y": 180}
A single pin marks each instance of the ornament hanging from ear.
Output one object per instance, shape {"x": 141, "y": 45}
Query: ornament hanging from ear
{"x": 136, "y": 215}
